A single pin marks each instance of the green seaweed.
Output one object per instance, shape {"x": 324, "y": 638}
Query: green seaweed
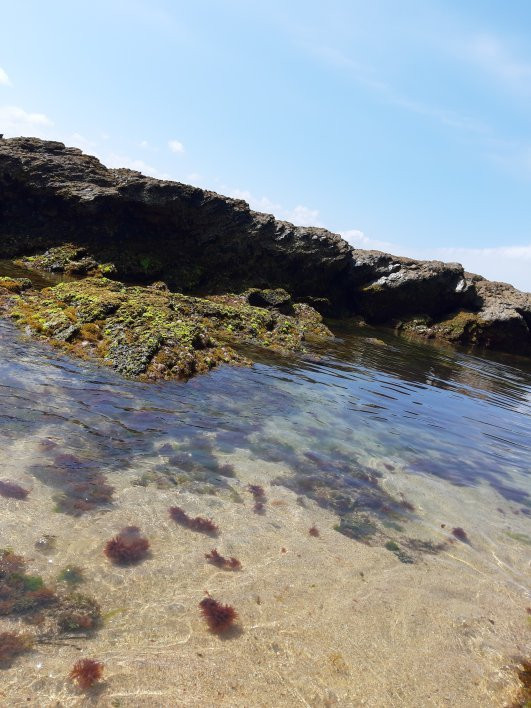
{"x": 72, "y": 575}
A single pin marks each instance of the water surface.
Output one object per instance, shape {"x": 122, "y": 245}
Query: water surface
{"x": 385, "y": 444}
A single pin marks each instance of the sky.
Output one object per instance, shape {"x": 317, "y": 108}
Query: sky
{"x": 404, "y": 126}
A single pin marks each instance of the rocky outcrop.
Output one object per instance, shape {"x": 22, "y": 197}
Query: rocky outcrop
{"x": 194, "y": 240}
{"x": 142, "y": 229}
{"x": 501, "y": 320}
{"x": 150, "y": 332}
{"x": 390, "y": 286}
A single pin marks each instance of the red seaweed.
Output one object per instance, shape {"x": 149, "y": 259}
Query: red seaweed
{"x": 460, "y": 534}
{"x": 12, "y": 644}
{"x": 86, "y": 672}
{"x": 11, "y": 490}
{"x": 257, "y": 491}
{"x": 218, "y": 617}
{"x": 314, "y": 531}
{"x": 195, "y": 524}
{"x": 259, "y": 507}
{"x": 128, "y": 547}
{"x": 228, "y": 563}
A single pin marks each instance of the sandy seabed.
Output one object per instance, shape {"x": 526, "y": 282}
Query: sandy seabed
{"x": 324, "y": 621}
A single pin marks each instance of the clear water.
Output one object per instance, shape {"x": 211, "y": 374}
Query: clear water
{"x": 400, "y": 440}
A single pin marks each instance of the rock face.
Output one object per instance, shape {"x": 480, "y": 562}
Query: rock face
{"x": 142, "y": 229}
{"x": 501, "y": 320}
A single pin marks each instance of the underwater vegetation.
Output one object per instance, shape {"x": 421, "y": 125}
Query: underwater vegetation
{"x": 228, "y": 563}
{"x": 72, "y": 575}
{"x": 20, "y": 592}
{"x": 314, "y": 531}
{"x": 260, "y": 498}
{"x": 195, "y": 524}
{"x": 46, "y": 543}
{"x": 82, "y": 487}
{"x": 257, "y": 491}
{"x": 402, "y": 556}
{"x": 86, "y": 672}
{"x": 351, "y": 490}
{"x": 218, "y": 617}
{"x": 460, "y": 534}
{"x": 11, "y": 490}
{"x": 12, "y": 644}
{"x": 524, "y": 674}
{"x": 358, "y": 527}
{"x": 78, "y": 613}
{"x": 128, "y": 547}
{"x": 25, "y": 594}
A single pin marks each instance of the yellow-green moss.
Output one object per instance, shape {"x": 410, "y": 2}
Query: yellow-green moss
{"x": 149, "y": 332}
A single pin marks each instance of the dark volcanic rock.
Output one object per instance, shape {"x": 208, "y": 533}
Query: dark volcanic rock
{"x": 501, "y": 320}
{"x": 135, "y": 228}
{"x": 192, "y": 239}
{"x": 390, "y": 286}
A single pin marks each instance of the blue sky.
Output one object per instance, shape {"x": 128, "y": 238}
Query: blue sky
{"x": 406, "y": 126}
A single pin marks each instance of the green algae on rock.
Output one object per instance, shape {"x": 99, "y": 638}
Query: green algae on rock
{"x": 152, "y": 333}
{"x": 14, "y": 285}
{"x": 67, "y": 258}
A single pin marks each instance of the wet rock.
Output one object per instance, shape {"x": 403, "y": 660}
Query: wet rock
{"x": 390, "y": 286}
{"x": 67, "y": 258}
{"x": 153, "y": 333}
{"x": 277, "y": 299}
{"x": 194, "y": 240}
{"x": 14, "y": 285}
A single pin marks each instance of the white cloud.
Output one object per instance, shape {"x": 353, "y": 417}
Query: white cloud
{"x": 358, "y": 239}
{"x": 16, "y": 121}
{"x": 176, "y": 146}
{"x": 496, "y": 58}
{"x": 509, "y": 264}
{"x": 193, "y": 178}
{"x": 115, "y": 160}
{"x": 299, "y": 215}
{"x": 303, "y": 216}
{"x": 366, "y": 76}
{"x": 79, "y": 141}
{"x": 4, "y": 78}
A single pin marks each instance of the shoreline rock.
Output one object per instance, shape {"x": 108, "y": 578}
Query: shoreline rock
{"x": 151, "y": 333}
{"x": 139, "y": 229}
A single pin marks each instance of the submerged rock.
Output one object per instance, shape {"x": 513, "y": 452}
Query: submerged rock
{"x": 150, "y": 332}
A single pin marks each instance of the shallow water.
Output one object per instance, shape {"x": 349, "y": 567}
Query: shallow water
{"x": 386, "y": 445}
